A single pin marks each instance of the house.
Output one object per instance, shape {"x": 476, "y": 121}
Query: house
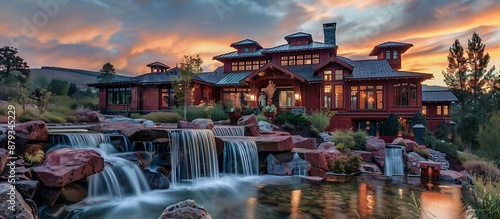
{"x": 307, "y": 75}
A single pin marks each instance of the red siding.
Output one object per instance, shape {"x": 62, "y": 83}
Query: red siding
{"x": 151, "y": 98}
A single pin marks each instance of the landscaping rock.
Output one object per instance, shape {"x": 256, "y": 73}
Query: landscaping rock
{"x": 410, "y": 144}
{"x": 274, "y": 142}
{"x": 248, "y": 120}
{"x": 4, "y": 159}
{"x": 252, "y": 130}
{"x": 32, "y": 131}
{"x": 187, "y": 125}
{"x": 14, "y": 207}
{"x": 367, "y": 156}
{"x": 301, "y": 142}
{"x": 273, "y": 167}
{"x": 73, "y": 192}
{"x": 125, "y": 128}
{"x": 141, "y": 158}
{"x": 87, "y": 116}
{"x": 156, "y": 180}
{"x": 27, "y": 188}
{"x": 374, "y": 144}
{"x": 187, "y": 209}
{"x": 203, "y": 123}
{"x": 450, "y": 175}
{"x": 64, "y": 166}
{"x": 265, "y": 126}
{"x": 146, "y": 122}
{"x": 327, "y": 146}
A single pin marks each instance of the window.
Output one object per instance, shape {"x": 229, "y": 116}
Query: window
{"x": 424, "y": 110}
{"x": 387, "y": 54}
{"x": 248, "y": 65}
{"x": 300, "y": 60}
{"x": 395, "y": 54}
{"x": 405, "y": 94}
{"x": 339, "y": 75}
{"x": 226, "y": 94}
{"x": 167, "y": 97}
{"x": 439, "y": 110}
{"x": 327, "y": 75}
{"x": 118, "y": 96}
{"x": 328, "y": 96}
{"x": 287, "y": 98}
{"x": 367, "y": 97}
{"x": 339, "y": 96}
{"x": 246, "y": 49}
{"x": 445, "y": 110}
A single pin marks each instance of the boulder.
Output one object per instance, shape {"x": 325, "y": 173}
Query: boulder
{"x": 146, "y": 122}
{"x": 203, "y": 123}
{"x": 367, "y": 156}
{"x": 65, "y": 165}
{"x": 451, "y": 175}
{"x": 328, "y": 146}
{"x": 316, "y": 158}
{"x": 4, "y": 159}
{"x": 248, "y": 120}
{"x": 187, "y": 125}
{"x": 50, "y": 194}
{"x": 187, "y": 209}
{"x": 410, "y": 144}
{"x": 374, "y": 144}
{"x": 273, "y": 167}
{"x": 156, "y": 180}
{"x": 252, "y": 130}
{"x": 141, "y": 158}
{"x": 73, "y": 192}
{"x": 397, "y": 140}
{"x": 124, "y": 128}
{"x": 301, "y": 142}
{"x": 27, "y": 188}
{"x": 12, "y": 204}
{"x": 87, "y": 116}
{"x": 265, "y": 126}
{"x": 32, "y": 131}
{"x": 380, "y": 161}
{"x": 274, "y": 142}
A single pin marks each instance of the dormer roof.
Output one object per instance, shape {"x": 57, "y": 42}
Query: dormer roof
{"x": 246, "y": 42}
{"x": 388, "y": 45}
{"x": 298, "y": 35}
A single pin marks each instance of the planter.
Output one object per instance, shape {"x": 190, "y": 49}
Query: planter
{"x": 340, "y": 177}
{"x": 234, "y": 117}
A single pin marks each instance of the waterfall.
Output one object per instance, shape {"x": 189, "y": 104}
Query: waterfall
{"x": 229, "y": 130}
{"x": 193, "y": 155}
{"x": 241, "y": 157}
{"x": 300, "y": 166}
{"x": 393, "y": 161}
{"x": 120, "y": 177}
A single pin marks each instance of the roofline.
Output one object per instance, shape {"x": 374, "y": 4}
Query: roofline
{"x": 375, "y": 50}
{"x": 333, "y": 59}
{"x": 272, "y": 65}
{"x": 392, "y": 78}
{"x": 331, "y": 46}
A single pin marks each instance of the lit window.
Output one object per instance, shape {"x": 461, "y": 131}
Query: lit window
{"x": 328, "y": 96}
{"x": 387, "y": 54}
{"x": 404, "y": 94}
{"x": 438, "y": 111}
{"x": 327, "y": 75}
{"x": 339, "y": 75}
{"x": 354, "y": 97}
{"x": 395, "y": 54}
{"x": 424, "y": 110}
{"x": 339, "y": 96}
{"x": 445, "y": 110}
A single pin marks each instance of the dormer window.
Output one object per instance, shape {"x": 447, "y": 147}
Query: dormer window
{"x": 395, "y": 54}
{"x": 246, "y": 49}
{"x": 387, "y": 54}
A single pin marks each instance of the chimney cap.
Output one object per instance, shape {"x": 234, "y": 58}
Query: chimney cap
{"x": 332, "y": 24}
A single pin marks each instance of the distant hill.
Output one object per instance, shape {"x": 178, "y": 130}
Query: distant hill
{"x": 80, "y": 77}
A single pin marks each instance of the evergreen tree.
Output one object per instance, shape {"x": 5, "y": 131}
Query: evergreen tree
{"x": 456, "y": 75}
{"x": 477, "y": 62}
{"x": 72, "y": 89}
{"x": 108, "y": 73}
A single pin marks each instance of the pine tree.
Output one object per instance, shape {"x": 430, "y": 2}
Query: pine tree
{"x": 456, "y": 74}
{"x": 477, "y": 64}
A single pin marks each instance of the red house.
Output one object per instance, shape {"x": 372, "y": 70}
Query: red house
{"x": 307, "y": 75}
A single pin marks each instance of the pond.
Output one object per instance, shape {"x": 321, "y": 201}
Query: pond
{"x": 266, "y": 196}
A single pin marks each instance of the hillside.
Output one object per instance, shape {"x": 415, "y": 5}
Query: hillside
{"x": 80, "y": 77}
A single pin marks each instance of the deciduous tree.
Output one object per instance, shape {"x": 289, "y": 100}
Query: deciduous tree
{"x": 190, "y": 66}
{"x": 11, "y": 65}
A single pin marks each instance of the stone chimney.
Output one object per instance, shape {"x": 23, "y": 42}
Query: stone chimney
{"x": 329, "y": 32}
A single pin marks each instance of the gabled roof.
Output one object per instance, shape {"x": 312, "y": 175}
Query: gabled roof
{"x": 235, "y": 54}
{"x": 378, "y": 68}
{"x": 305, "y": 71}
{"x": 246, "y": 42}
{"x": 298, "y": 35}
{"x": 158, "y": 77}
{"x": 210, "y": 77}
{"x": 390, "y": 44}
{"x": 437, "y": 94}
{"x": 336, "y": 60}
{"x": 271, "y": 65}
{"x": 154, "y": 64}
{"x": 289, "y": 48}
{"x": 233, "y": 78}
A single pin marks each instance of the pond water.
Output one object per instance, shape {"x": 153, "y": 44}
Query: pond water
{"x": 261, "y": 197}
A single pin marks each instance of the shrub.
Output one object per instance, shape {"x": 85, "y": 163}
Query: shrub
{"x": 401, "y": 143}
{"x": 468, "y": 129}
{"x": 36, "y": 157}
{"x": 483, "y": 169}
{"x": 288, "y": 126}
{"x": 217, "y": 113}
{"x": 261, "y": 117}
{"x": 345, "y": 139}
{"x": 424, "y": 153}
{"x": 135, "y": 115}
{"x": 443, "y": 131}
{"x": 489, "y": 138}
{"x": 359, "y": 139}
{"x": 484, "y": 198}
{"x": 163, "y": 117}
{"x": 192, "y": 113}
{"x": 319, "y": 121}
{"x": 391, "y": 126}
{"x": 438, "y": 145}
{"x": 464, "y": 156}
{"x": 345, "y": 163}
{"x": 297, "y": 120}
{"x": 53, "y": 117}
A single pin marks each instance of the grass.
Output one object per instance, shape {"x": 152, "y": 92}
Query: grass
{"x": 483, "y": 169}
{"x": 484, "y": 198}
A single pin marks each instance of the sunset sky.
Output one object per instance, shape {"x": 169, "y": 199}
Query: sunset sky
{"x": 85, "y": 34}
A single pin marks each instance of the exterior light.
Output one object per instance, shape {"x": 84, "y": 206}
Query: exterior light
{"x": 252, "y": 97}
{"x": 297, "y": 96}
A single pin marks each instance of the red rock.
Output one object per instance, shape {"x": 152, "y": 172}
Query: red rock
{"x": 4, "y": 155}
{"x": 32, "y": 131}
{"x": 141, "y": 158}
{"x": 187, "y": 125}
{"x": 397, "y": 140}
{"x": 327, "y": 146}
{"x": 315, "y": 158}
{"x": 248, "y": 120}
{"x": 87, "y": 116}
{"x": 203, "y": 123}
{"x": 367, "y": 156}
{"x": 450, "y": 175}
{"x": 426, "y": 164}
{"x": 315, "y": 171}
{"x": 64, "y": 166}
{"x": 374, "y": 144}
{"x": 252, "y": 130}
{"x": 380, "y": 161}
{"x": 410, "y": 144}
{"x": 301, "y": 142}
{"x": 124, "y": 128}
{"x": 73, "y": 192}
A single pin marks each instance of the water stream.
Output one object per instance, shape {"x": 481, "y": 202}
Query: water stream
{"x": 241, "y": 157}
{"x": 229, "y": 130}
{"x": 393, "y": 161}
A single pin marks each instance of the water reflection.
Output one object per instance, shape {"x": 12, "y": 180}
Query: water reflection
{"x": 294, "y": 204}
{"x": 366, "y": 200}
{"x": 445, "y": 203}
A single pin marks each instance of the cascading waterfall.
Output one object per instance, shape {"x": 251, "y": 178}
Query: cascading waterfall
{"x": 241, "y": 157}
{"x": 120, "y": 177}
{"x": 193, "y": 155}
{"x": 393, "y": 161}
{"x": 229, "y": 130}
{"x": 300, "y": 166}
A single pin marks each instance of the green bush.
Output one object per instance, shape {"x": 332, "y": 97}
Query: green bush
{"x": 319, "y": 121}
{"x": 484, "y": 198}
{"x": 29, "y": 115}
{"x": 345, "y": 139}
{"x": 468, "y": 130}
{"x": 261, "y": 117}
{"x": 192, "y": 113}
{"x": 217, "y": 113}
{"x": 443, "y": 131}
{"x": 424, "y": 153}
{"x": 345, "y": 163}
{"x": 53, "y": 117}
{"x": 297, "y": 120}
{"x": 163, "y": 117}
{"x": 288, "y": 126}
{"x": 489, "y": 138}
{"x": 359, "y": 140}
{"x": 391, "y": 126}
{"x": 135, "y": 115}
